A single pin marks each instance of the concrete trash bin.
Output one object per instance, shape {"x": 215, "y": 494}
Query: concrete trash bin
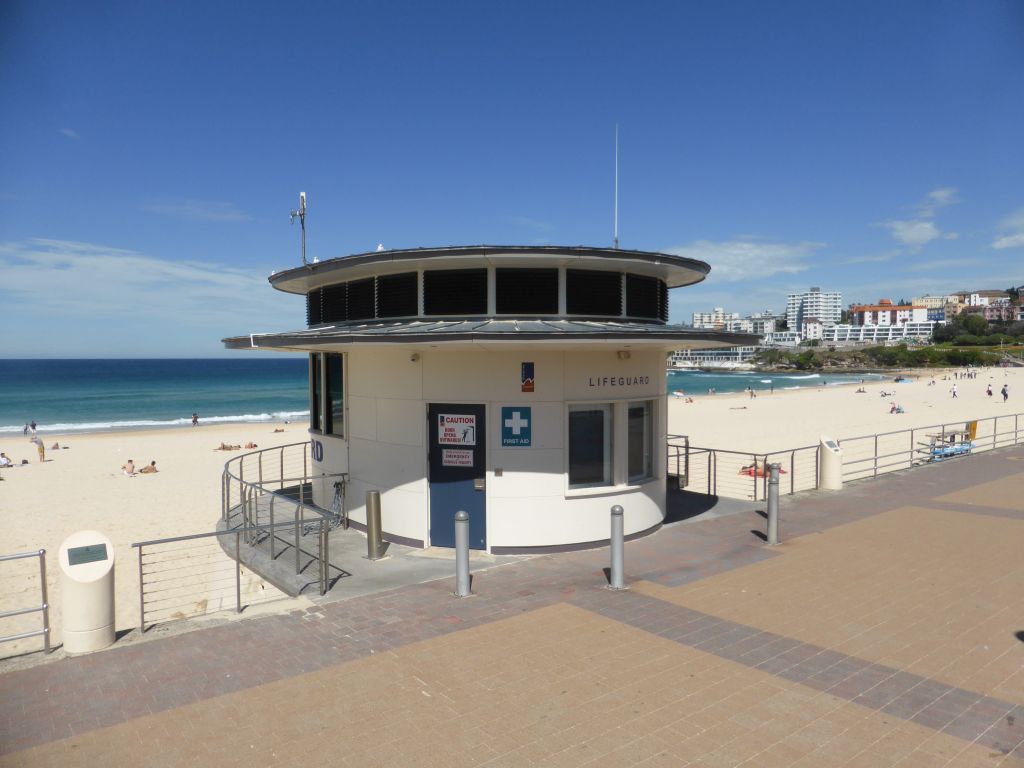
{"x": 87, "y": 591}
{"x": 830, "y": 464}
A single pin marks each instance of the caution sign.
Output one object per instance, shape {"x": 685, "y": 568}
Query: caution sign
{"x": 451, "y": 457}
{"x": 456, "y": 429}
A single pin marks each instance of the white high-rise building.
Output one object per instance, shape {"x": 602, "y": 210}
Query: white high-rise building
{"x": 825, "y": 306}
{"x": 718, "y": 319}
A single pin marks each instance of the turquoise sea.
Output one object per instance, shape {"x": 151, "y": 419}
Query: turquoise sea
{"x": 99, "y": 395}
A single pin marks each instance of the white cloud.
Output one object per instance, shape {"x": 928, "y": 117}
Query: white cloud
{"x": 196, "y": 210}
{"x": 535, "y": 225}
{"x": 920, "y": 230}
{"x": 138, "y": 298}
{"x": 1013, "y": 228}
{"x": 69, "y": 132}
{"x": 939, "y": 264}
{"x": 749, "y": 258}
{"x": 887, "y": 256}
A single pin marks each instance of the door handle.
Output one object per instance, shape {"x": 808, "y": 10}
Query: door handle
{"x": 479, "y": 484}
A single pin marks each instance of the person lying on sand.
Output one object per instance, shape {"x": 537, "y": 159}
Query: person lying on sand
{"x": 148, "y": 469}
{"x": 279, "y": 430}
{"x": 250, "y": 444}
{"x": 226, "y": 447}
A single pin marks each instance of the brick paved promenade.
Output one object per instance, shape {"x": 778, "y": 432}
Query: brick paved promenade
{"x": 887, "y": 630}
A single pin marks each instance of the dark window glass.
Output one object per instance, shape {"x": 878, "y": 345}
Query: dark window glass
{"x": 590, "y": 446}
{"x": 455, "y": 292}
{"x": 642, "y": 295}
{"x": 526, "y": 291}
{"x": 361, "y": 300}
{"x": 639, "y": 440}
{"x": 335, "y": 303}
{"x": 315, "y": 421}
{"x": 335, "y": 394}
{"x": 593, "y": 293}
{"x": 314, "y": 308}
{"x": 397, "y": 295}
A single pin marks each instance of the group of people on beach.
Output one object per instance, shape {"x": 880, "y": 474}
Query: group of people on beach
{"x": 129, "y": 468}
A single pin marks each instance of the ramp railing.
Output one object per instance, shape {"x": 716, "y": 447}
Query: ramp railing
{"x": 43, "y": 606}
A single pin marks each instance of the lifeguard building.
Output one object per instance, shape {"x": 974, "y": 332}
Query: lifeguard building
{"x": 523, "y": 384}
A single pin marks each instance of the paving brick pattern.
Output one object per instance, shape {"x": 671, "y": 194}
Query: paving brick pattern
{"x": 545, "y": 667}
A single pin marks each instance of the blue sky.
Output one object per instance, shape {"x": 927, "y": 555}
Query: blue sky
{"x": 151, "y": 151}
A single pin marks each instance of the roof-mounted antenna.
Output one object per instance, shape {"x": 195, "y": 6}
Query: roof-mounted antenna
{"x": 301, "y": 215}
{"x": 616, "y": 235}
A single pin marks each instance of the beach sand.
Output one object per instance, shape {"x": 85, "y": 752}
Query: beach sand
{"x": 82, "y": 486}
{"x": 792, "y": 418}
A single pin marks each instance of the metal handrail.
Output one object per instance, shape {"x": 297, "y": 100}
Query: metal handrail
{"x": 43, "y": 606}
{"x": 323, "y": 557}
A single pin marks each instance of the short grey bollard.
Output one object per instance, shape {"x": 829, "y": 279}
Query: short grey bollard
{"x": 462, "y": 554}
{"x": 773, "y": 504}
{"x": 374, "y": 543}
{"x": 616, "y": 581}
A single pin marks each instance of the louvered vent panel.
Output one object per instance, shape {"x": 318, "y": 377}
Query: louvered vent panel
{"x": 455, "y": 292}
{"x": 663, "y": 301}
{"x": 396, "y": 295}
{"x": 335, "y": 303}
{"x": 642, "y": 294}
{"x": 314, "y": 308}
{"x": 361, "y": 300}
{"x": 526, "y": 291}
{"x": 593, "y": 293}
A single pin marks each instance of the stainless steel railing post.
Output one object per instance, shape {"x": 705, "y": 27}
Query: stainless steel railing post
{"x": 462, "y": 554}
{"x": 142, "y": 596}
{"x": 238, "y": 573}
{"x": 324, "y": 555}
{"x": 298, "y": 520}
{"x": 45, "y": 602}
{"x": 773, "y": 505}
{"x": 273, "y": 530}
{"x": 617, "y": 547}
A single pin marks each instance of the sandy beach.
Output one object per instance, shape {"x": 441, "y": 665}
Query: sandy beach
{"x": 81, "y": 486}
{"x": 792, "y": 418}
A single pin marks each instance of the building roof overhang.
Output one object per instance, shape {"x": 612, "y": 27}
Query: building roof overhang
{"x": 676, "y": 271}
{"x": 492, "y": 334}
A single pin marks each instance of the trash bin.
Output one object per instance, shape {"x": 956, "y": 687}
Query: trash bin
{"x": 830, "y": 465}
{"x": 87, "y": 591}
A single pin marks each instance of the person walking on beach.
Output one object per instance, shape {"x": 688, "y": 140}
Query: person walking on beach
{"x": 195, "y": 419}
{"x": 988, "y": 390}
{"x": 39, "y": 447}
{"x": 1005, "y": 392}
{"x": 954, "y": 392}
{"x": 33, "y": 426}
{"x": 25, "y": 430}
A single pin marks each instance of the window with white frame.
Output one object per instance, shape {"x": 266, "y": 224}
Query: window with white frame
{"x": 590, "y": 445}
{"x": 639, "y": 440}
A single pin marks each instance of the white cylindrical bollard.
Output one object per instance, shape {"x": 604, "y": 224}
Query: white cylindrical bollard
{"x": 462, "y": 554}
{"x": 86, "y": 561}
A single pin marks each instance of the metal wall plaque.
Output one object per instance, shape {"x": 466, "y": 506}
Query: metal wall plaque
{"x": 90, "y": 553}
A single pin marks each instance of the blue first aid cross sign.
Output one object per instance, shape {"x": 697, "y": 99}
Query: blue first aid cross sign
{"x": 516, "y": 427}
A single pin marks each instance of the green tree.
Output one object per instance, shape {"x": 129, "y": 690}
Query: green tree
{"x": 973, "y": 323}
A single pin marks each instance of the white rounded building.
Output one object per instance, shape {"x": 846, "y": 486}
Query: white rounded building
{"x": 523, "y": 384}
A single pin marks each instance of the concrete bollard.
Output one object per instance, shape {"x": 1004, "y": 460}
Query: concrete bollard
{"x": 462, "y": 554}
{"x": 374, "y": 543}
{"x": 773, "y": 504}
{"x": 616, "y": 542}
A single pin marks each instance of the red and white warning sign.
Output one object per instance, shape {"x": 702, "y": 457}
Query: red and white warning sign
{"x": 452, "y": 457}
{"x": 456, "y": 429}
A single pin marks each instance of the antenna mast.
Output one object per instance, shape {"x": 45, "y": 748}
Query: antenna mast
{"x": 301, "y": 215}
{"x": 616, "y": 235}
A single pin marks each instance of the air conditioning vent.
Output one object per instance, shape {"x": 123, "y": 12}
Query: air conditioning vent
{"x": 526, "y": 291}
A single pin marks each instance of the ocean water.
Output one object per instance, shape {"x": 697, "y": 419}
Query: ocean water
{"x": 698, "y": 383}
{"x": 99, "y": 395}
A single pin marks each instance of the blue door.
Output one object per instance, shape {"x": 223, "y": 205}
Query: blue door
{"x": 457, "y": 471}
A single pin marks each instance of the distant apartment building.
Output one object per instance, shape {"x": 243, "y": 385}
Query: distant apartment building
{"x": 886, "y": 313}
{"x": 878, "y": 334}
{"x": 1001, "y": 312}
{"x": 812, "y": 328}
{"x": 716, "y": 320}
{"x": 824, "y": 306}
{"x": 781, "y": 339}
